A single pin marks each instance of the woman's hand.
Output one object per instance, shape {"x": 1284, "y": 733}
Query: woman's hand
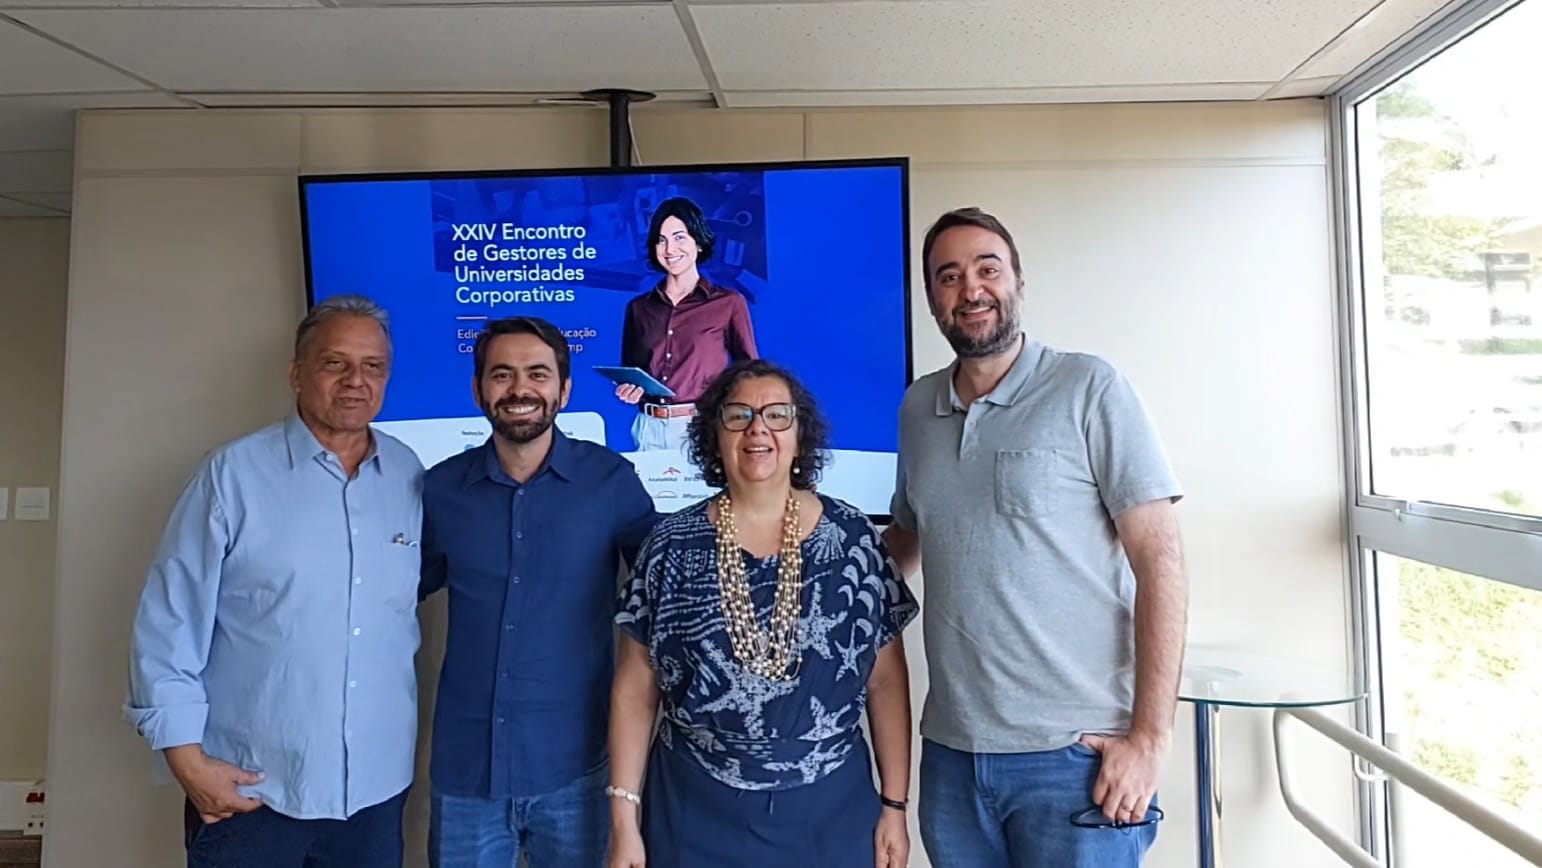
{"x": 891, "y": 840}
{"x": 626, "y": 848}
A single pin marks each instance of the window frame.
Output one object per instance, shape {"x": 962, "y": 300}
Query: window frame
{"x": 1499, "y": 546}
{"x": 1365, "y": 507}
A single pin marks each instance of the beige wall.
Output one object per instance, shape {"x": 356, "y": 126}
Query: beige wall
{"x": 1188, "y": 243}
{"x": 33, "y": 281}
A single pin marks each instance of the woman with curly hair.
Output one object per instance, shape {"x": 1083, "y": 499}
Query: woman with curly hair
{"x": 765, "y": 620}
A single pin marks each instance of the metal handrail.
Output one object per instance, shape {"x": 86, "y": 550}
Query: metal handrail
{"x": 1494, "y": 825}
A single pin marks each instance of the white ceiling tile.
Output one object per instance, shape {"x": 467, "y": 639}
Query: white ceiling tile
{"x": 13, "y": 208}
{"x": 993, "y": 96}
{"x": 546, "y": 48}
{"x": 36, "y": 171}
{"x": 1381, "y": 28}
{"x": 42, "y": 123}
{"x": 987, "y": 44}
{"x": 54, "y": 201}
{"x": 31, "y": 64}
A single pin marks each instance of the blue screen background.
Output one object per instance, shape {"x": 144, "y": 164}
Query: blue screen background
{"x": 818, "y": 252}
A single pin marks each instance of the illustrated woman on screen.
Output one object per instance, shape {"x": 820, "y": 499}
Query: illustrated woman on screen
{"x": 683, "y": 332}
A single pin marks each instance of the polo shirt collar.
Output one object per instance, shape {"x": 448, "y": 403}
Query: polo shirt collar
{"x": 1007, "y": 392}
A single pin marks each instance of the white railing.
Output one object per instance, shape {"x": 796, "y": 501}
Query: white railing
{"x": 1495, "y": 826}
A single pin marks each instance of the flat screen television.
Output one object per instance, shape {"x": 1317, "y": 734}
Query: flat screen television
{"x": 814, "y": 255}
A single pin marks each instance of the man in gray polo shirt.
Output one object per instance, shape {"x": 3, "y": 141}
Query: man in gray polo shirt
{"x": 1035, "y": 487}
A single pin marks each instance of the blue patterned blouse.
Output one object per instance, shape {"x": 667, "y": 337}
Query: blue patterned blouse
{"x": 750, "y": 732}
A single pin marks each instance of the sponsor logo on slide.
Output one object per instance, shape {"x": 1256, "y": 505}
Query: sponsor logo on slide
{"x": 674, "y": 474}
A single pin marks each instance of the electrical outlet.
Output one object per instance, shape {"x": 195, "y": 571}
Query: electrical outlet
{"x": 34, "y": 826}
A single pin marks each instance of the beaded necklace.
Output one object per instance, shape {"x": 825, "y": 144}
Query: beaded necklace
{"x": 768, "y": 653}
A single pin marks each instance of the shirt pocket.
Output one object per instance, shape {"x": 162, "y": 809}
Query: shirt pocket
{"x": 1025, "y": 482}
{"x": 402, "y": 568}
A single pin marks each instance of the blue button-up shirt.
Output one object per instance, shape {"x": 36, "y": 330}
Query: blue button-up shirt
{"x": 278, "y": 623}
{"x": 532, "y": 570}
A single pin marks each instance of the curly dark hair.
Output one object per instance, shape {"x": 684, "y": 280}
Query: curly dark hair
{"x": 813, "y": 429}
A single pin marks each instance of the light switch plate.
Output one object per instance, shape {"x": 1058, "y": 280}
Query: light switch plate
{"x": 32, "y": 504}
{"x": 5, "y": 503}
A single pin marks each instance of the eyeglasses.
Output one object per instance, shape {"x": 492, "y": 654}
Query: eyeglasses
{"x": 1093, "y": 818}
{"x": 778, "y": 417}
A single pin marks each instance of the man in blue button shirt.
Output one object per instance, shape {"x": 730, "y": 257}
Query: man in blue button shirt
{"x": 528, "y": 532}
{"x": 272, "y": 652}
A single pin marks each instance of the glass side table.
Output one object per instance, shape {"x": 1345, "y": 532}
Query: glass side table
{"x": 1216, "y": 677}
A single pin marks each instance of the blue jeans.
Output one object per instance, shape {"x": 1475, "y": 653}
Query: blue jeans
{"x": 568, "y": 828}
{"x": 264, "y": 838}
{"x": 1014, "y": 811}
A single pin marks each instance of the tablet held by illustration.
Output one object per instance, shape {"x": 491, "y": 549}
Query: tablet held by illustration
{"x": 623, "y": 376}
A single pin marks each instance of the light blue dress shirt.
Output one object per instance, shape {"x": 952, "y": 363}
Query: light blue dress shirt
{"x": 278, "y": 623}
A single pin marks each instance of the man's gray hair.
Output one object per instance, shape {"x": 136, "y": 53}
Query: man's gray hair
{"x": 339, "y": 305}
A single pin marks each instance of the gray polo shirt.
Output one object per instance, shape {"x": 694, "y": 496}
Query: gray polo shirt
{"x": 1029, "y": 607}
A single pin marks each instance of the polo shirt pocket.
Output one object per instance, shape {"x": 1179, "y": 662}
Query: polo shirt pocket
{"x": 1025, "y": 482}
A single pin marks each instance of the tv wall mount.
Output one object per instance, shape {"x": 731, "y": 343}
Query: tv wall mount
{"x": 620, "y": 101}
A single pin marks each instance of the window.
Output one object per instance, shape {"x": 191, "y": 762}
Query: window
{"x": 1450, "y": 213}
{"x": 1462, "y": 697}
{"x": 1438, "y": 185}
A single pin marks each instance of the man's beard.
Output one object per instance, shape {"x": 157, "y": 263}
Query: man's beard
{"x": 520, "y": 430}
{"x": 996, "y": 341}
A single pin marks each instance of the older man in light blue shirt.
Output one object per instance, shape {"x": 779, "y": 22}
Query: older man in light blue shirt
{"x": 272, "y": 654}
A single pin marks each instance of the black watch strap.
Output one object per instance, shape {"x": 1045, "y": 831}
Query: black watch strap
{"x": 891, "y": 803}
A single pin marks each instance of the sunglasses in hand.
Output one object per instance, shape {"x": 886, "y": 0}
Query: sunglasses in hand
{"x": 1092, "y": 818}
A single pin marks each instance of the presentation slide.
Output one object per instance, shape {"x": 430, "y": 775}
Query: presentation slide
{"x": 801, "y": 264}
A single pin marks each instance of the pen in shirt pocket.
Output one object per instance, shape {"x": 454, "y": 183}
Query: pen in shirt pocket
{"x": 401, "y": 540}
